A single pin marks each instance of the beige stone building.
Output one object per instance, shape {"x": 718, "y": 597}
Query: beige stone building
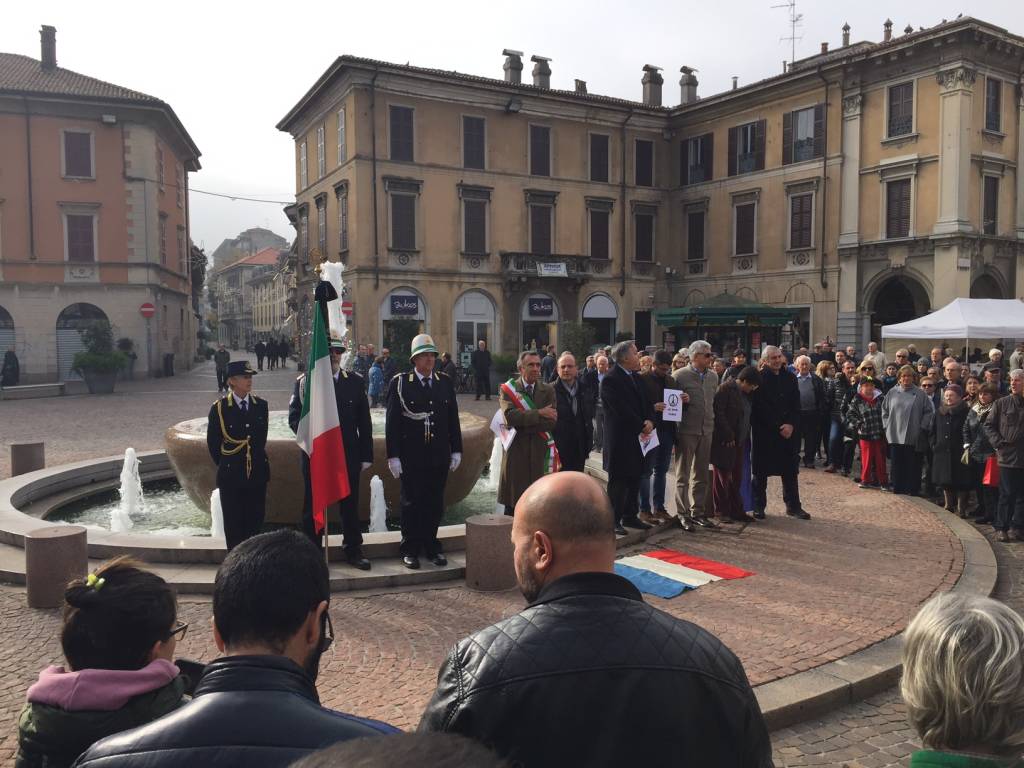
{"x": 270, "y": 290}
{"x": 866, "y": 184}
{"x": 233, "y": 296}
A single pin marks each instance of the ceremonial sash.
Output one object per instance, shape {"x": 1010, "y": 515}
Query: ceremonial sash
{"x": 522, "y": 401}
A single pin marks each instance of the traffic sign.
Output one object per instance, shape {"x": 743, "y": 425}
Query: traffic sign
{"x": 147, "y": 310}
{"x": 346, "y": 308}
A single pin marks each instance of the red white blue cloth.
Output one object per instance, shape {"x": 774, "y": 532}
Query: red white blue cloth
{"x": 667, "y": 573}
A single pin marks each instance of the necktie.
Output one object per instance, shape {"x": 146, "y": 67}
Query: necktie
{"x": 529, "y": 390}
{"x": 426, "y": 383}
{"x": 245, "y": 406}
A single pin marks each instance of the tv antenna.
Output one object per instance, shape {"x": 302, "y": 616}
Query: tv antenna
{"x": 795, "y": 21}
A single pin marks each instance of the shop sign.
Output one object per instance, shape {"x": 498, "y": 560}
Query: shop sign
{"x": 405, "y": 306}
{"x": 541, "y": 307}
{"x": 551, "y": 269}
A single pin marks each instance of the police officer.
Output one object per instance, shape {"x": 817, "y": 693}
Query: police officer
{"x": 357, "y": 437}
{"x": 424, "y": 443}
{"x": 237, "y": 439}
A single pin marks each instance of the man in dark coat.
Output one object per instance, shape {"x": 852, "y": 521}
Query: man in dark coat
{"x": 548, "y": 365}
{"x": 658, "y": 461}
{"x": 261, "y": 350}
{"x": 282, "y": 351}
{"x": 774, "y": 418}
{"x": 627, "y": 415}
{"x": 480, "y": 362}
{"x": 272, "y": 352}
{"x": 424, "y": 444}
{"x": 574, "y": 427}
{"x": 11, "y": 371}
{"x": 357, "y": 437}
{"x": 236, "y": 437}
{"x": 728, "y": 444}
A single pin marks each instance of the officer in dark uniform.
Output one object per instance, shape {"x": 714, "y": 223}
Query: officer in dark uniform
{"x": 357, "y": 437}
{"x": 424, "y": 443}
{"x": 237, "y": 439}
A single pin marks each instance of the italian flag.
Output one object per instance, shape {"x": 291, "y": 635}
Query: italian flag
{"x": 319, "y": 433}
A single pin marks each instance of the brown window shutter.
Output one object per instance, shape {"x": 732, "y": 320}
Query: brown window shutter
{"x": 745, "y": 228}
{"x": 819, "y": 130}
{"x": 734, "y": 135}
{"x": 787, "y": 138}
{"x": 598, "y": 157}
{"x": 644, "y": 225}
{"x": 403, "y": 222}
{"x": 709, "y": 156}
{"x": 598, "y": 234}
{"x": 695, "y": 236}
{"x": 80, "y": 238}
{"x": 800, "y": 221}
{"x": 643, "y": 166}
{"x": 540, "y": 150}
{"x": 684, "y": 162}
{"x": 898, "y": 208}
{"x": 991, "y": 206}
{"x": 540, "y": 229}
{"x": 77, "y": 154}
{"x": 476, "y": 226}
{"x": 759, "y": 145}
{"x": 401, "y": 133}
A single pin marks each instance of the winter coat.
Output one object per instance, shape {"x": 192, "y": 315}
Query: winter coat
{"x": 376, "y": 380}
{"x": 526, "y": 458}
{"x": 908, "y": 416}
{"x": 774, "y": 403}
{"x": 574, "y": 432}
{"x": 699, "y": 414}
{"x": 626, "y": 408}
{"x": 865, "y": 417}
{"x": 835, "y": 391}
{"x": 974, "y": 435}
{"x": 730, "y": 413}
{"x": 947, "y": 448}
{"x": 1005, "y": 430}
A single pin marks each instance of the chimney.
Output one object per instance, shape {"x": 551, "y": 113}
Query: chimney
{"x": 49, "y": 47}
{"x": 846, "y": 34}
{"x": 652, "y": 82}
{"x": 735, "y": 82}
{"x": 513, "y": 66}
{"x": 907, "y": 29}
{"x": 824, "y": 47}
{"x": 888, "y": 31}
{"x": 581, "y": 87}
{"x": 541, "y": 71}
{"x": 687, "y": 86}
{"x": 785, "y": 66}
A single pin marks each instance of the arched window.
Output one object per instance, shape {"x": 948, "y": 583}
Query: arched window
{"x": 403, "y": 314}
{"x": 70, "y": 321}
{"x": 601, "y": 314}
{"x": 474, "y": 320}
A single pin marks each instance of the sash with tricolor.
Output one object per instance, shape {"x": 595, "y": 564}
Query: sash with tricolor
{"x": 522, "y": 401}
{"x": 668, "y": 573}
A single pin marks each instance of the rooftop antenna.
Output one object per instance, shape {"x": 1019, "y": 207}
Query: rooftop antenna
{"x": 795, "y": 20}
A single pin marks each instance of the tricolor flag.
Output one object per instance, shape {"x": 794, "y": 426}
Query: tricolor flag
{"x": 668, "y": 573}
{"x": 319, "y": 433}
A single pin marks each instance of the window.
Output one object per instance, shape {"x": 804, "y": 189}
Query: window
{"x": 541, "y": 217}
{"x": 897, "y": 208}
{"x": 803, "y": 134}
{"x": 993, "y": 104}
{"x": 901, "y": 109}
{"x": 473, "y": 146}
{"x": 321, "y": 160}
{"x": 746, "y": 148}
{"x": 304, "y": 232}
{"x": 403, "y": 222}
{"x": 643, "y": 226}
{"x": 474, "y": 215}
{"x": 746, "y": 217}
{"x": 401, "y": 133}
{"x": 599, "y": 223}
{"x": 179, "y": 183}
{"x": 343, "y": 218}
{"x": 801, "y": 217}
{"x": 80, "y": 234}
{"x": 695, "y": 159}
{"x": 695, "y": 236}
{"x": 182, "y": 255}
{"x": 321, "y": 225}
{"x": 643, "y": 169}
{"x": 163, "y": 238}
{"x": 78, "y": 155}
{"x": 303, "y": 170}
{"x": 990, "y": 212}
{"x": 598, "y": 157}
{"x": 342, "y": 148}
{"x": 160, "y": 168}
{"x": 540, "y": 150}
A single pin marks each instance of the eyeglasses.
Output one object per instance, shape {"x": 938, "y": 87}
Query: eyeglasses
{"x": 178, "y": 631}
{"x": 927, "y": 386}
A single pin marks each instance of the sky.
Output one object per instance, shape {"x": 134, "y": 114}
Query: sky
{"x": 231, "y": 70}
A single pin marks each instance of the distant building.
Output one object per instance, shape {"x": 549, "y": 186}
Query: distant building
{"x": 270, "y": 291}
{"x": 245, "y": 244}
{"x": 94, "y": 218}
{"x": 231, "y": 296}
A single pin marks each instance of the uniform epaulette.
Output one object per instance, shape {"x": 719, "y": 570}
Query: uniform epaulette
{"x": 357, "y": 374}
{"x": 442, "y": 373}
{"x": 396, "y": 376}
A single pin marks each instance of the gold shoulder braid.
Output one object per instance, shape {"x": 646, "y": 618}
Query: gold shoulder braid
{"x": 237, "y": 445}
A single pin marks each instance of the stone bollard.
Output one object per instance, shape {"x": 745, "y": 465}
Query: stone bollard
{"x": 54, "y": 556}
{"x": 27, "y": 457}
{"x": 489, "y": 553}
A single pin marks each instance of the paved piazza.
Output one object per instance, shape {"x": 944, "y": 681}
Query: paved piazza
{"x": 822, "y": 590}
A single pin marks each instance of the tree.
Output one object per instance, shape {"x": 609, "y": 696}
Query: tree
{"x": 577, "y": 338}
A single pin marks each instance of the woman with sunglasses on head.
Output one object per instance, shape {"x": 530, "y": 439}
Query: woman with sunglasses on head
{"x": 119, "y": 633}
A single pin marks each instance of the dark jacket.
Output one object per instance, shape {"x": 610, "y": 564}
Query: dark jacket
{"x": 239, "y": 465}
{"x": 247, "y": 710}
{"x": 547, "y": 368}
{"x": 411, "y": 440}
{"x": 975, "y": 436}
{"x": 865, "y": 418}
{"x": 556, "y": 684}
{"x": 774, "y": 403}
{"x": 574, "y": 432}
{"x": 353, "y": 418}
{"x": 729, "y": 415}
{"x": 480, "y": 362}
{"x": 11, "y": 370}
{"x": 625, "y": 410}
{"x": 1005, "y": 430}
{"x": 654, "y": 387}
{"x": 947, "y": 448}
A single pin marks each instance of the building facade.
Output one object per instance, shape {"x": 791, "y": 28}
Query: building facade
{"x": 234, "y": 291}
{"x": 270, "y": 291}
{"x": 861, "y": 186}
{"x": 94, "y": 218}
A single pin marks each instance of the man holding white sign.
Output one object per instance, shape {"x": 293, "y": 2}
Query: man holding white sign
{"x": 668, "y": 404}
{"x": 693, "y": 458}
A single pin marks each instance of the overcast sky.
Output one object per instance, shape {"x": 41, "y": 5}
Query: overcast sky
{"x": 231, "y": 70}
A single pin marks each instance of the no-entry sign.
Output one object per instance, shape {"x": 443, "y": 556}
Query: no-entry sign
{"x": 147, "y": 310}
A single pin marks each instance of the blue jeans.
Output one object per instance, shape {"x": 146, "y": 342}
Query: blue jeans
{"x": 655, "y": 463}
{"x": 1011, "y": 497}
{"x": 835, "y": 442}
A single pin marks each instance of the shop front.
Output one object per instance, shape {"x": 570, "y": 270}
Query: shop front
{"x": 729, "y": 322}
{"x": 539, "y": 318}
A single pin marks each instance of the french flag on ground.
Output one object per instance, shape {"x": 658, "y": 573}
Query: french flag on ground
{"x": 668, "y": 573}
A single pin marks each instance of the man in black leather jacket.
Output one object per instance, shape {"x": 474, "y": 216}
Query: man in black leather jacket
{"x": 589, "y": 674}
{"x": 257, "y": 705}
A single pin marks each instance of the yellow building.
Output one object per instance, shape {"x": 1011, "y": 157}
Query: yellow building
{"x": 864, "y": 185}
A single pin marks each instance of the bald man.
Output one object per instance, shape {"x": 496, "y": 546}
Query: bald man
{"x": 588, "y": 660}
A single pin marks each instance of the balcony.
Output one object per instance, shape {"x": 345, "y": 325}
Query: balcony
{"x": 695, "y": 174}
{"x": 746, "y": 162}
{"x": 553, "y": 266}
{"x": 900, "y": 125}
{"x": 696, "y": 266}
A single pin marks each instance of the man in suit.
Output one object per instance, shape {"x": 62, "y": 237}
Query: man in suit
{"x": 813, "y": 408}
{"x": 627, "y": 416}
{"x": 260, "y": 349}
{"x": 356, "y": 436}
{"x": 480, "y": 362}
{"x": 594, "y": 379}
{"x": 530, "y": 410}
{"x": 236, "y": 437}
{"x": 574, "y": 428}
{"x": 548, "y": 364}
{"x": 656, "y": 464}
{"x": 424, "y": 444}
{"x": 699, "y": 384}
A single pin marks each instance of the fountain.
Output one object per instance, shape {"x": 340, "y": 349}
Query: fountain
{"x": 130, "y": 494}
{"x": 216, "y": 515}
{"x": 494, "y": 473}
{"x": 378, "y": 506}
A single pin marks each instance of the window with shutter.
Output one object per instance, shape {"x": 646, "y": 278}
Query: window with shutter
{"x": 343, "y": 220}
{"x": 304, "y": 233}
{"x": 403, "y": 222}
{"x": 321, "y": 226}
{"x": 540, "y": 150}
{"x": 901, "y": 109}
{"x": 474, "y": 214}
{"x": 321, "y": 153}
{"x": 644, "y": 165}
{"x": 990, "y": 216}
{"x": 80, "y": 241}
{"x": 993, "y": 103}
{"x": 746, "y": 148}
{"x": 78, "y": 155}
{"x": 897, "y": 209}
{"x": 401, "y": 133}
{"x": 745, "y": 215}
{"x": 696, "y": 161}
{"x": 800, "y": 220}
{"x": 695, "y": 236}
{"x": 798, "y": 135}
{"x": 473, "y": 147}
{"x": 598, "y": 157}
{"x": 643, "y": 225}
{"x": 540, "y": 229}
{"x": 599, "y": 234}
{"x": 163, "y": 238}
{"x": 303, "y": 166}
{"x": 342, "y": 143}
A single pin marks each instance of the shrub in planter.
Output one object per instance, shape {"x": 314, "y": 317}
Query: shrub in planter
{"x": 100, "y": 363}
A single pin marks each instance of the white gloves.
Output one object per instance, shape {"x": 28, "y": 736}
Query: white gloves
{"x": 395, "y": 465}
{"x": 366, "y": 465}
{"x": 456, "y": 460}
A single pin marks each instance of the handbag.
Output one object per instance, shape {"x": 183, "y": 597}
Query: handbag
{"x": 991, "y": 474}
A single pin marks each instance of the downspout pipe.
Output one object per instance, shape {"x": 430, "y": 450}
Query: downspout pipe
{"x": 28, "y": 162}
{"x": 824, "y": 184}
{"x": 373, "y": 164}
{"x": 622, "y": 203}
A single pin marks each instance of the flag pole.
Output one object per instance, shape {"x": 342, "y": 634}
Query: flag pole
{"x": 324, "y": 293}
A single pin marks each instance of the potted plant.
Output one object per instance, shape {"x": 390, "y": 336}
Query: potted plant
{"x": 127, "y": 347}
{"x": 100, "y": 362}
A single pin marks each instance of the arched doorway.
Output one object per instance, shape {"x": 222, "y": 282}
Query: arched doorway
{"x": 539, "y": 325}
{"x": 6, "y": 331}
{"x": 601, "y": 315}
{"x": 986, "y": 287}
{"x": 403, "y": 314}
{"x": 474, "y": 320}
{"x": 898, "y": 300}
{"x": 70, "y": 321}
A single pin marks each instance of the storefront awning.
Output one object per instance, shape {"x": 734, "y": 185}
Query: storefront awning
{"x": 725, "y": 309}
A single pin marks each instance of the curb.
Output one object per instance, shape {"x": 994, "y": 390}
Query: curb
{"x": 794, "y": 699}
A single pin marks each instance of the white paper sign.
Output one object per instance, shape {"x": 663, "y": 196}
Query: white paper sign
{"x": 673, "y": 405}
{"x": 649, "y": 442}
{"x": 501, "y": 430}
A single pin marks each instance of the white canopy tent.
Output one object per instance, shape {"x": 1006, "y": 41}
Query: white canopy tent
{"x": 965, "y": 319}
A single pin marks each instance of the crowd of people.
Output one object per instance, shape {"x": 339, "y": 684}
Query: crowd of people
{"x": 274, "y": 351}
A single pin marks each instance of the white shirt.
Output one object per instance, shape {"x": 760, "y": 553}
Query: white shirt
{"x": 422, "y": 377}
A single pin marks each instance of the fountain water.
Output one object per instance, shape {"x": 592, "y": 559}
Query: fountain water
{"x": 494, "y": 472}
{"x": 216, "y": 515}
{"x": 130, "y": 493}
{"x": 378, "y": 506}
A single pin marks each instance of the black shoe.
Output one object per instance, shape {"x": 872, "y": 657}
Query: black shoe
{"x": 759, "y": 514}
{"x": 635, "y": 522}
{"x": 411, "y": 562}
{"x": 439, "y": 560}
{"x": 619, "y": 530}
{"x": 799, "y": 514}
{"x": 705, "y": 522}
{"x": 686, "y": 524}
{"x": 358, "y": 561}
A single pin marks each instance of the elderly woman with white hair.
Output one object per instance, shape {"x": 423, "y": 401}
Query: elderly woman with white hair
{"x": 963, "y": 683}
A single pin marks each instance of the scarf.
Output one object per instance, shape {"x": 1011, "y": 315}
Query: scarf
{"x": 522, "y": 401}
{"x": 955, "y": 410}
